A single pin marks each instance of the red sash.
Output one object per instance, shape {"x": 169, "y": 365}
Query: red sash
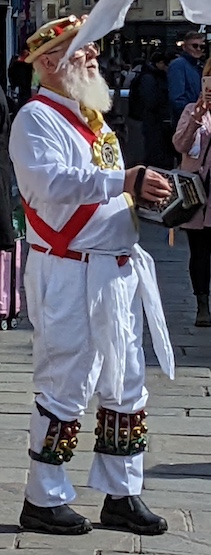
{"x": 59, "y": 240}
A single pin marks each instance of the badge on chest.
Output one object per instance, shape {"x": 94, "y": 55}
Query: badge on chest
{"x": 105, "y": 151}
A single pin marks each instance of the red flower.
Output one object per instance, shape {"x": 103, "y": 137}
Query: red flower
{"x": 58, "y": 30}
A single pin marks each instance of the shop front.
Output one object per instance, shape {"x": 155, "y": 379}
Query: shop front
{"x": 146, "y": 36}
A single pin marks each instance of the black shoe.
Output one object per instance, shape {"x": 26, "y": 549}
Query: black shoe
{"x": 54, "y": 520}
{"x": 203, "y": 318}
{"x": 132, "y": 513}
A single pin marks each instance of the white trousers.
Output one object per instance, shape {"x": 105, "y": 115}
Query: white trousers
{"x": 68, "y": 371}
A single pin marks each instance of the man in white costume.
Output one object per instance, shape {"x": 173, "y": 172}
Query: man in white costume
{"x": 86, "y": 280}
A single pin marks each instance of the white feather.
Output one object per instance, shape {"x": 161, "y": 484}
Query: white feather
{"x": 197, "y": 11}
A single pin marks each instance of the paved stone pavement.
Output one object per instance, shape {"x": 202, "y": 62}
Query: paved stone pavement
{"x": 178, "y": 462}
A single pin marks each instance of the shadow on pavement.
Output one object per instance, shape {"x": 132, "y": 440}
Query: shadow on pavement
{"x": 9, "y": 528}
{"x": 99, "y": 526}
{"x": 184, "y": 471}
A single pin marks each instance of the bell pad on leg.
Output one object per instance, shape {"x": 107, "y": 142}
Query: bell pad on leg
{"x": 59, "y": 442}
{"x": 120, "y": 434}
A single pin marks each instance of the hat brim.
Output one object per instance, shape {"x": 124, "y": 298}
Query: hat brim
{"x": 49, "y": 45}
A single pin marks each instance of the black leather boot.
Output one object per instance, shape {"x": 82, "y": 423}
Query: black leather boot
{"x": 132, "y": 513}
{"x": 203, "y": 318}
{"x": 54, "y": 520}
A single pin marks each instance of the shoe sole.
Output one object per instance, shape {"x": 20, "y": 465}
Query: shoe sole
{"x": 119, "y": 521}
{"x": 32, "y": 524}
{"x": 203, "y": 324}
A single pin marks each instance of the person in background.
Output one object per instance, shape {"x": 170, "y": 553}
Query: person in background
{"x": 86, "y": 278}
{"x": 154, "y": 105}
{"x": 193, "y": 140}
{"x": 116, "y": 72}
{"x": 184, "y": 75}
{"x": 137, "y": 66}
{"x": 20, "y": 77}
{"x": 134, "y": 148}
{"x": 125, "y": 69}
{"x": 6, "y": 229}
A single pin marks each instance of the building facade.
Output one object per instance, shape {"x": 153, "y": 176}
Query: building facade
{"x": 156, "y": 23}
{"x": 149, "y": 24}
{"x": 42, "y": 11}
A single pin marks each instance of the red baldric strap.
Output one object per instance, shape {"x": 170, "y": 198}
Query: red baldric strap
{"x": 59, "y": 240}
{"x": 85, "y": 131}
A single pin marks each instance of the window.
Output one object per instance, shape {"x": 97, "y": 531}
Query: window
{"x": 87, "y": 3}
{"x": 51, "y": 11}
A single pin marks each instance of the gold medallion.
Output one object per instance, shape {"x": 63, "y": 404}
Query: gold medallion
{"x": 108, "y": 155}
{"x": 106, "y": 152}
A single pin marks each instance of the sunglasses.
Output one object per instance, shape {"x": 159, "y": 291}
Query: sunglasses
{"x": 197, "y": 46}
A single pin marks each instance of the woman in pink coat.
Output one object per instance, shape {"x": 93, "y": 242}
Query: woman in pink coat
{"x": 193, "y": 140}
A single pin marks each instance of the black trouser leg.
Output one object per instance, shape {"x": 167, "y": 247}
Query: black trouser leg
{"x": 200, "y": 251}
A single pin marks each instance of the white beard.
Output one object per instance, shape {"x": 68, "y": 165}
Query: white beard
{"x": 92, "y": 92}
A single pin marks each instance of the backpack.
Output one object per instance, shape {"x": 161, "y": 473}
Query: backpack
{"x": 135, "y": 107}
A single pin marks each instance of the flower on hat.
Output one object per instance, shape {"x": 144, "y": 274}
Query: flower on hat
{"x": 56, "y": 29}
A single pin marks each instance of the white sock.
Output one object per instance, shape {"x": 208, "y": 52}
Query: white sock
{"x": 116, "y": 497}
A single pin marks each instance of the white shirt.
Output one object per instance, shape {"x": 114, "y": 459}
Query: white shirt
{"x": 55, "y": 174}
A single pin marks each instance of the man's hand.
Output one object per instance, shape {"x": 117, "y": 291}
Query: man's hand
{"x": 154, "y": 187}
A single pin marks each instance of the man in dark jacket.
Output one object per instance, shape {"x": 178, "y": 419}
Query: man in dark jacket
{"x": 184, "y": 75}
{"x": 155, "y": 113}
{"x": 6, "y": 230}
{"x": 20, "y": 76}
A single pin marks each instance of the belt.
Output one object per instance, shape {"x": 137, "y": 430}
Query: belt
{"x": 122, "y": 259}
